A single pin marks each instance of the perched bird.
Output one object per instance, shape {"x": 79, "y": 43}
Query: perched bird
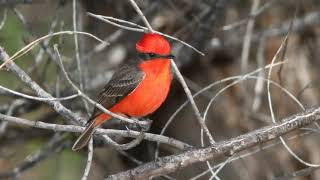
{"x": 137, "y": 88}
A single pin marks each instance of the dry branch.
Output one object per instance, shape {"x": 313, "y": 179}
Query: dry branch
{"x": 112, "y": 132}
{"x": 57, "y": 106}
{"x": 173, "y": 163}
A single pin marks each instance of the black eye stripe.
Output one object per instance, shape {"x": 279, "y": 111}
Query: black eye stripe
{"x": 148, "y": 56}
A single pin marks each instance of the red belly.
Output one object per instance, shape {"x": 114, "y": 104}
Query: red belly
{"x": 150, "y": 93}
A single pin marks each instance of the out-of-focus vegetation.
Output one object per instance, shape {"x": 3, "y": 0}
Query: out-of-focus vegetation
{"x": 218, "y": 29}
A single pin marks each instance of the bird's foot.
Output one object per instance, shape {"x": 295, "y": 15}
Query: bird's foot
{"x": 144, "y": 125}
{"x": 139, "y": 125}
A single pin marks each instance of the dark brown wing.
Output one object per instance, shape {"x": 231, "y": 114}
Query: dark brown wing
{"x": 123, "y": 81}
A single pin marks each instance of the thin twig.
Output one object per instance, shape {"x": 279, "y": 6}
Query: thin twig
{"x": 195, "y": 109}
{"x": 138, "y": 10}
{"x": 28, "y": 47}
{"x": 258, "y": 89}
{"x": 36, "y": 98}
{"x": 25, "y": 78}
{"x": 299, "y": 25}
{"x": 193, "y": 104}
{"x": 254, "y": 14}
{"x": 247, "y": 39}
{"x": 76, "y": 44}
{"x": 4, "y": 18}
{"x": 53, "y": 25}
{"x": 110, "y": 132}
{"x": 20, "y": 16}
{"x": 3, "y": 125}
{"x": 139, "y": 29}
{"x": 255, "y": 78}
{"x": 89, "y": 160}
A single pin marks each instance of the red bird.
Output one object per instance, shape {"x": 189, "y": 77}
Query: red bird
{"x": 136, "y": 89}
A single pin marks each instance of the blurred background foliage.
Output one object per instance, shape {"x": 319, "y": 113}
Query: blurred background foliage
{"x": 215, "y": 27}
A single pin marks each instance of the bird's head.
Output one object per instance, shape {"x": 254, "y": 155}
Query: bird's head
{"x": 154, "y": 44}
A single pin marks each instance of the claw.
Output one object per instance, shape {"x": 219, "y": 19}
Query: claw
{"x": 127, "y": 128}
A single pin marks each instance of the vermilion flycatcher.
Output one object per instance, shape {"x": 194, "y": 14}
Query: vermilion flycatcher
{"x": 136, "y": 89}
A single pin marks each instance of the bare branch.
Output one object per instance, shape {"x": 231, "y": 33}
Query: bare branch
{"x": 139, "y": 28}
{"x": 172, "y": 163}
{"x": 111, "y": 132}
{"x": 37, "y": 98}
{"x": 247, "y": 38}
{"x": 89, "y": 161}
{"x": 28, "y": 47}
{"x": 77, "y": 49}
{"x": 24, "y": 77}
{"x": 194, "y": 106}
{"x": 136, "y": 7}
{"x": 4, "y": 18}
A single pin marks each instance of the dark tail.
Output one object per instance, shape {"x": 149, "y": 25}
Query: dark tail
{"x": 84, "y": 137}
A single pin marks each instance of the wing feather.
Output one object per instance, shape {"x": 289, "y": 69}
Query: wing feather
{"x": 123, "y": 82}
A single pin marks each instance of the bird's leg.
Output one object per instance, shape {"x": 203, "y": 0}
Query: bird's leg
{"x": 127, "y": 125}
{"x": 138, "y": 125}
{"x": 143, "y": 125}
{"x": 128, "y": 129}
{"x": 146, "y": 125}
{"x": 130, "y": 126}
{"x": 138, "y": 139}
{"x": 135, "y": 126}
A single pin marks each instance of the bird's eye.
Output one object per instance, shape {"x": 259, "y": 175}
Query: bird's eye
{"x": 152, "y": 54}
{"x": 146, "y": 56}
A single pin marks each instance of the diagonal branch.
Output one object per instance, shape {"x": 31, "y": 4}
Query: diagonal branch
{"x": 193, "y": 103}
{"x": 173, "y": 163}
{"x": 146, "y": 22}
{"x": 57, "y": 106}
{"x": 112, "y": 132}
